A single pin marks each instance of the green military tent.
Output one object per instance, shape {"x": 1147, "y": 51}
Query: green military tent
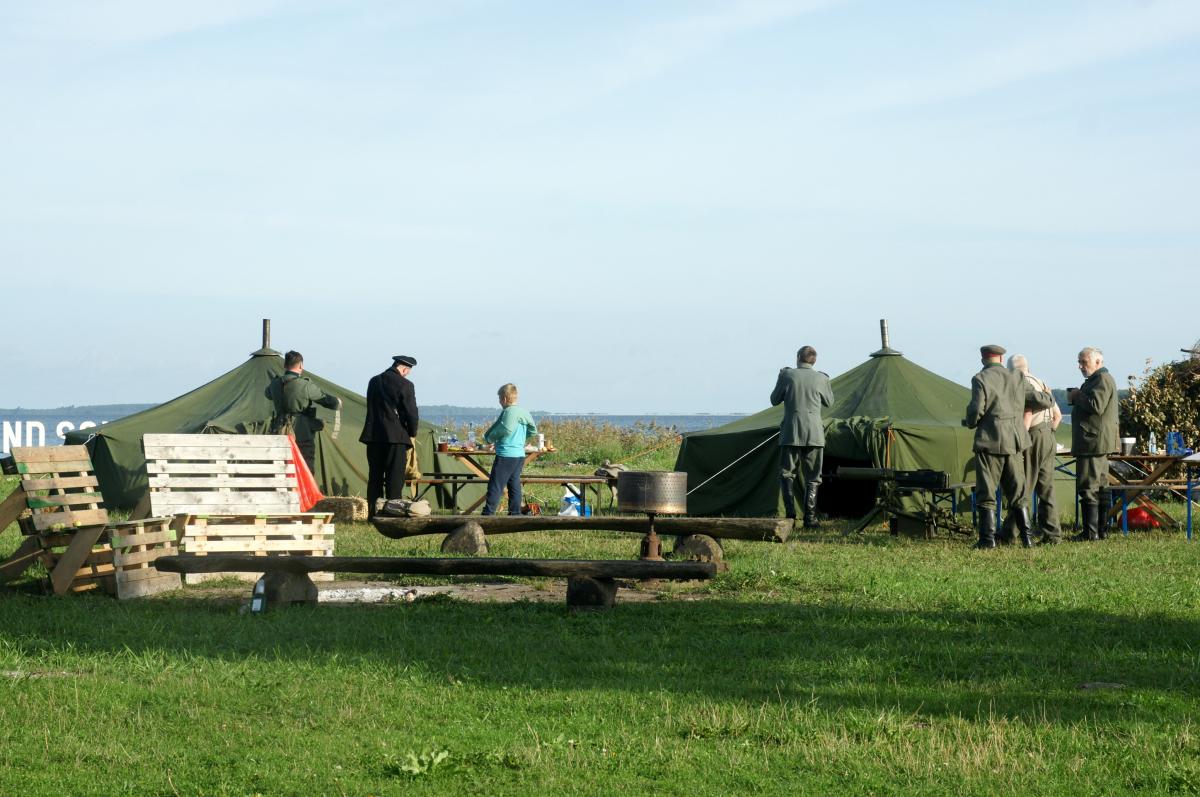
{"x": 887, "y": 412}
{"x": 235, "y": 403}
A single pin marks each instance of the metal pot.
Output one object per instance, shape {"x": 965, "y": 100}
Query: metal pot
{"x": 658, "y": 492}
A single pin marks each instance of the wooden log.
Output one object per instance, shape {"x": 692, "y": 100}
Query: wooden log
{"x": 554, "y": 568}
{"x": 769, "y": 529}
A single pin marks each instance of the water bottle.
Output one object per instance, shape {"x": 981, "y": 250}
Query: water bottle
{"x": 471, "y": 434}
{"x": 1152, "y": 446}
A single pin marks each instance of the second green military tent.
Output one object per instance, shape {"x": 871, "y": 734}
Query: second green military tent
{"x": 235, "y": 403}
{"x": 887, "y": 412}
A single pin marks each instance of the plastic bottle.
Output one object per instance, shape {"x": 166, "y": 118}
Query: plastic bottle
{"x": 471, "y": 434}
{"x": 1152, "y": 446}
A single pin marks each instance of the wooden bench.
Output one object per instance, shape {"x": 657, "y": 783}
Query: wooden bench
{"x": 695, "y": 538}
{"x": 590, "y": 583}
{"x": 577, "y": 485}
{"x": 233, "y": 493}
{"x": 60, "y": 510}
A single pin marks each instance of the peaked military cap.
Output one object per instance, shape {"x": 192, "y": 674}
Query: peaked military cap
{"x": 992, "y": 350}
{"x": 403, "y": 359}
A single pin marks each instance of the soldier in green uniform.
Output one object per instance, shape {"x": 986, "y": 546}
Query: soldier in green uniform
{"x": 996, "y": 412}
{"x": 294, "y": 397}
{"x": 1093, "y": 437}
{"x": 802, "y": 391}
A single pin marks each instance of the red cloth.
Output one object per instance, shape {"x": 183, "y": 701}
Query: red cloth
{"x": 1139, "y": 518}
{"x": 306, "y": 485}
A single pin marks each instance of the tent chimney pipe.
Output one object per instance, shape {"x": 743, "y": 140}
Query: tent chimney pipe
{"x": 267, "y": 333}
{"x": 886, "y": 350}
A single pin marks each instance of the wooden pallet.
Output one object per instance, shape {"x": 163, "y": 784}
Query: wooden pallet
{"x": 135, "y": 547}
{"x": 297, "y": 533}
{"x": 67, "y": 517}
{"x": 229, "y": 474}
{"x": 233, "y": 494}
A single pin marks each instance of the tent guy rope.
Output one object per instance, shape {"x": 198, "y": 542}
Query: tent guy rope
{"x": 731, "y": 464}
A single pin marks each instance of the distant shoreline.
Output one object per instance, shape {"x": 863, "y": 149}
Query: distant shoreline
{"x": 22, "y": 426}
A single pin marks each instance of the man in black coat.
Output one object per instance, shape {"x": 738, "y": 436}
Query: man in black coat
{"x": 388, "y": 432}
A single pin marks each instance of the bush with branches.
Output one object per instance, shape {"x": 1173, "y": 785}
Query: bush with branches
{"x": 1164, "y": 399}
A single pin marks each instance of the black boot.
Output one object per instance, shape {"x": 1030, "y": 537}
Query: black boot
{"x": 1021, "y": 515}
{"x": 810, "y": 506}
{"x": 789, "y": 499}
{"x": 1090, "y": 515}
{"x": 1102, "y": 514}
{"x": 987, "y": 530}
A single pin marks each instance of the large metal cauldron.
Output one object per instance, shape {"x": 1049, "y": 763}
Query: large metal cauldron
{"x": 656, "y": 492}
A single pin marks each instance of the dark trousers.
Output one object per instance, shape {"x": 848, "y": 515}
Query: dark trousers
{"x": 1004, "y": 470}
{"x": 385, "y": 472}
{"x": 1091, "y": 479}
{"x": 506, "y": 472}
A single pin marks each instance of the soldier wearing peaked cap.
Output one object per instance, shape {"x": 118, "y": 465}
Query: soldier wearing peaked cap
{"x": 999, "y": 398}
{"x": 390, "y": 427}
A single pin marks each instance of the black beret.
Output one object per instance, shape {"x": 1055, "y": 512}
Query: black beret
{"x": 403, "y": 359}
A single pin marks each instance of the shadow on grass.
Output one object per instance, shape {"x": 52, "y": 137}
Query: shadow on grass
{"x": 1027, "y": 665}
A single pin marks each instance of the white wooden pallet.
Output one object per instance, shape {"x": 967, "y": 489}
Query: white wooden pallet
{"x": 135, "y": 546}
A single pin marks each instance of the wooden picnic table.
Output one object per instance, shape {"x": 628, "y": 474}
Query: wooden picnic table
{"x": 1149, "y": 469}
{"x": 478, "y": 461}
{"x": 473, "y": 459}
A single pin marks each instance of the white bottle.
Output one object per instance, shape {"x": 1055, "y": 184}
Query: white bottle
{"x": 1153, "y": 444}
{"x": 471, "y": 434}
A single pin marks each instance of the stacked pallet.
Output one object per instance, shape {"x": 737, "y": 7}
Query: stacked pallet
{"x": 135, "y": 547}
{"x": 233, "y": 494}
{"x": 67, "y": 517}
{"x": 293, "y": 534}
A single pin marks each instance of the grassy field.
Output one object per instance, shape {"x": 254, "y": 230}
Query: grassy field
{"x": 870, "y": 665}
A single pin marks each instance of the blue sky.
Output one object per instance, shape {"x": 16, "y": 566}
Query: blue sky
{"x": 621, "y": 207}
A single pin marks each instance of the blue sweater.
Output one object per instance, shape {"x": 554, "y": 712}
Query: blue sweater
{"x": 510, "y": 431}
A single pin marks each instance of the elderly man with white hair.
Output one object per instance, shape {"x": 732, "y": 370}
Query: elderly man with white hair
{"x": 1093, "y": 437}
{"x": 1039, "y": 457}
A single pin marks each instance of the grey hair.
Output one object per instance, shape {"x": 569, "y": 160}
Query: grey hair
{"x": 1017, "y": 362}
{"x": 1091, "y": 351}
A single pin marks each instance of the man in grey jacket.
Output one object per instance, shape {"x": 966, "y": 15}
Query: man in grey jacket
{"x": 802, "y": 391}
{"x": 1093, "y": 437}
{"x": 999, "y": 398}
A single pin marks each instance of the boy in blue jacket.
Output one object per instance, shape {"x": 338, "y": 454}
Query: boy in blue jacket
{"x": 508, "y": 434}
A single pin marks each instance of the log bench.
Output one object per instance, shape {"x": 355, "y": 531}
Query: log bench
{"x": 695, "y": 538}
{"x": 590, "y": 582}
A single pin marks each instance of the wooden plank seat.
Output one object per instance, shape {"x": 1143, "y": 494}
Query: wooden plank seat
{"x": 590, "y": 583}
{"x": 60, "y": 510}
{"x": 233, "y": 493}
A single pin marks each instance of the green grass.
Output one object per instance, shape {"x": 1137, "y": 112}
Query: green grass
{"x": 867, "y": 665}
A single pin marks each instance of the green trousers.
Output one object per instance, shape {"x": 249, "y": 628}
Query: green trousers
{"x": 801, "y": 464}
{"x": 1006, "y": 471}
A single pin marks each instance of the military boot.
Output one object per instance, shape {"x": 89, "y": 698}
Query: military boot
{"x": 810, "y": 506}
{"x": 1090, "y": 516}
{"x": 1102, "y": 514}
{"x": 987, "y": 530}
{"x": 789, "y": 498}
{"x": 1021, "y": 515}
